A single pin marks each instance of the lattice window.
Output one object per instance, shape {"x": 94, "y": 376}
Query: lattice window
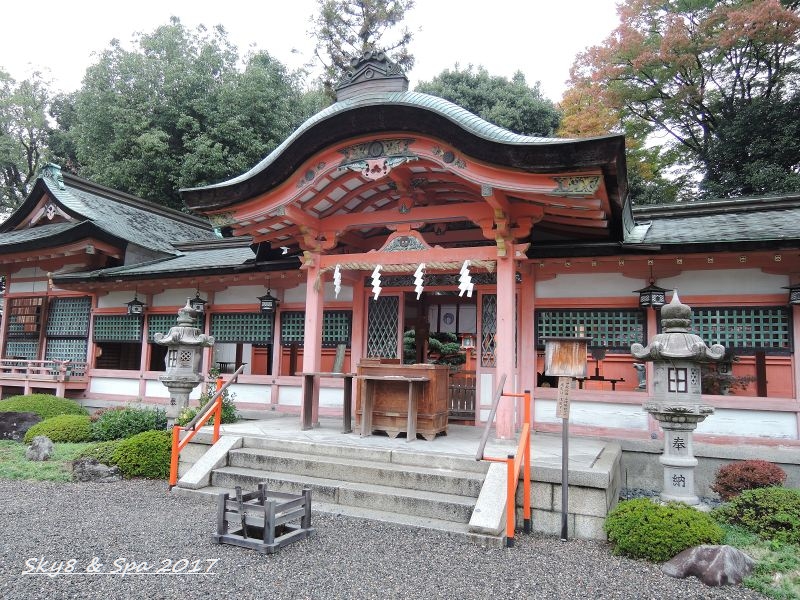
{"x": 117, "y": 328}
{"x": 25, "y": 317}
{"x": 248, "y": 328}
{"x": 488, "y": 330}
{"x": 336, "y": 328}
{"x": 69, "y": 317}
{"x": 744, "y": 329}
{"x": 611, "y": 329}
{"x": 160, "y": 324}
{"x": 73, "y": 349}
{"x": 382, "y": 330}
{"x": 26, "y": 349}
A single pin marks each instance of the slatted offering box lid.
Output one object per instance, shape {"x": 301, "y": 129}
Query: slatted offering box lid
{"x": 565, "y": 356}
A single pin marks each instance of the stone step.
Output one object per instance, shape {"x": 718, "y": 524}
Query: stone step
{"x": 451, "y": 528}
{"x": 372, "y": 455}
{"x": 421, "y": 503}
{"x": 391, "y": 474}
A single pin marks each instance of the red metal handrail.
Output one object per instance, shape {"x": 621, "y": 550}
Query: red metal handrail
{"x": 522, "y": 459}
{"x": 212, "y": 408}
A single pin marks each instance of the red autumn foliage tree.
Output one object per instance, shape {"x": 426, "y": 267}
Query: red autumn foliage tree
{"x": 687, "y": 71}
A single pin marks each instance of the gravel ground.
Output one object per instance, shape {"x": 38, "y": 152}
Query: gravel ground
{"x": 132, "y": 522}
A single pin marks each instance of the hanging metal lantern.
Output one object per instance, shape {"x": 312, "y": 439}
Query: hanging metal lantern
{"x": 135, "y": 307}
{"x": 269, "y": 303}
{"x": 794, "y": 293}
{"x": 197, "y": 303}
{"x": 652, "y": 295}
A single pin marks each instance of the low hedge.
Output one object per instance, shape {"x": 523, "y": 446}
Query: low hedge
{"x": 771, "y": 513}
{"x": 146, "y": 454}
{"x": 641, "y": 528}
{"x": 44, "y": 405}
{"x": 124, "y": 423}
{"x": 102, "y": 452}
{"x": 731, "y": 480}
{"x": 63, "y": 428}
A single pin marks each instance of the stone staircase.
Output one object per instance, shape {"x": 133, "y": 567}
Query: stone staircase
{"x": 436, "y": 492}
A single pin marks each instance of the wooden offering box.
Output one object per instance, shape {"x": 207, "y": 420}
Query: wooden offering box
{"x": 390, "y": 397}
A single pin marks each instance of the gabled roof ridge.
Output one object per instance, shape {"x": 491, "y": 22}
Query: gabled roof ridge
{"x": 72, "y": 180}
{"x": 237, "y": 242}
{"x": 717, "y": 205}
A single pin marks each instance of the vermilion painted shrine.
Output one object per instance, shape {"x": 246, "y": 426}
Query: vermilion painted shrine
{"x": 391, "y": 178}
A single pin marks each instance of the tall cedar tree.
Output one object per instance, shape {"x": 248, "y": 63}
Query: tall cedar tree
{"x": 345, "y": 29}
{"x": 511, "y": 104}
{"x": 177, "y": 111}
{"x": 24, "y": 130}
{"x": 718, "y": 80}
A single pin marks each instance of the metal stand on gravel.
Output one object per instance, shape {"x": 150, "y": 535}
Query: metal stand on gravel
{"x": 263, "y": 520}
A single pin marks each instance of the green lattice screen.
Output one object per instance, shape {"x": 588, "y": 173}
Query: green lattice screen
{"x": 26, "y": 349}
{"x": 253, "y": 328}
{"x": 612, "y": 329}
{"x": 69, "y": 317}
{"x": 382, "y": 330}
{"x": 73, "y": 349}
{"x": 160, "y": 324}
{"x": 117, "y": 328}
{"x": 336, "y": 327}
{"x": 753, "y": 328}
{"x": 488, "y": 330}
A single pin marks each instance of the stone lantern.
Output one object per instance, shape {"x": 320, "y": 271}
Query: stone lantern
{"x": 185, "y": 345}
{"x": 676, "y": 403}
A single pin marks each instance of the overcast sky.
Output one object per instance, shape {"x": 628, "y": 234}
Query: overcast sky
{"x": 538, "y": 37}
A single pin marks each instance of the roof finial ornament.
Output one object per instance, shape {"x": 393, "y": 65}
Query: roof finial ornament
{"x": 52, "y": 172}
{"x": 372, "y": 71}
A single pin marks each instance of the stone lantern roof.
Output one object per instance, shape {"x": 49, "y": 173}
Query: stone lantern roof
{"x": 675, "y": 342}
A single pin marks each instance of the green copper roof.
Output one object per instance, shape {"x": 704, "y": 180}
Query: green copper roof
{"x": 454, "y": 113}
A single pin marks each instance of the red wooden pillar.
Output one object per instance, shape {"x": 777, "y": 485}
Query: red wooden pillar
{"x": 505, "y": 340}
{"x": 312, "y": 340}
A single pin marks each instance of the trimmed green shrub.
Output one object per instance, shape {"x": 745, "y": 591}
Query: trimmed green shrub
{"x": 146, "y": 454}
{"x": 102, "y": 452}
{"x": 731, "y": 480}
{"x": 641, "y": 528}
{"x": 118, "y": 424}
{"x": 63, "y": 428}
{"x": 44, "y": 405}
{"x": 229, "y": 412}
{"x": 771, "y": 513}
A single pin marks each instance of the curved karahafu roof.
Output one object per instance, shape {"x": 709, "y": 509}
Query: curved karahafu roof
{"x": 382, "y": 157}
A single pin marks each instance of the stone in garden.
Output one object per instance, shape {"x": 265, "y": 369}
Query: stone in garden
{"x": 89, "y": 469}
{"x": 13, "y": 425}
{"x": 41, "y": 448}
{"x": 713, "y": 565}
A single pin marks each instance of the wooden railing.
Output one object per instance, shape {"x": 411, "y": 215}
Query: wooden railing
{"x": 522, "y": 459}
{"x": 212, "y": 408}
{"x": 56, "y": 370}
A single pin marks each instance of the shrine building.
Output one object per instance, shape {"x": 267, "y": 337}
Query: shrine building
{"x": 392, "y": 212}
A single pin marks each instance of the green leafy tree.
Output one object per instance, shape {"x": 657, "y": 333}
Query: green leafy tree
{"x": 178, "y": 111}
{"x": 347, "y": 28}
{"x": 24, "y": 132}
{"x": 696, "y": 72}
{"x": 511, "y": 104}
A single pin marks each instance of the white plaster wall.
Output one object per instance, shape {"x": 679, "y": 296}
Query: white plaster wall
{"x": 115, "y": 300}
{"x": 587, "y": 285}
{"x": 725, "y": 281}
{"x": 28, "y": 272}
{"x": 298, "y": 293}
{"x": 176, "y": 297}
{"x": 594, "y": 414}
{"x": 156, "y": 389}
{"x": 251, "y": 393}
{"x": 291, "y": 396}
{"x": 242, "y": 294}
{"x": 27, "y": 287}
{"x": 113, "y": 385}
{"x": 331, "y": 397}
{"x": 752, "y": 423}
